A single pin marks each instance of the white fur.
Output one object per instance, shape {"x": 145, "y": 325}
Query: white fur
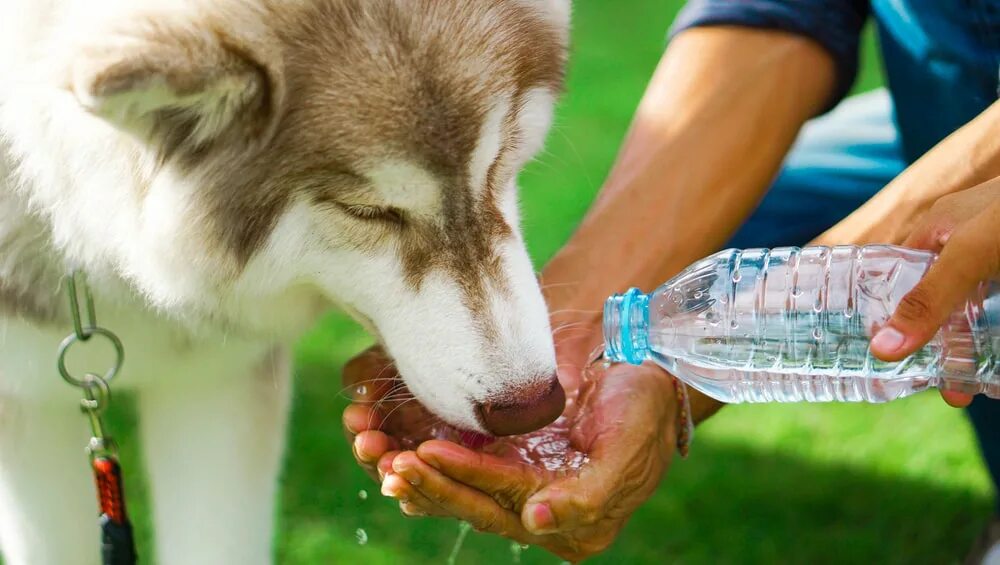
{"x": 204, "y": 351}
{"x": 491, "y": 137}
{"x": 405, "y": 186}
{"x": 557, "y": 11}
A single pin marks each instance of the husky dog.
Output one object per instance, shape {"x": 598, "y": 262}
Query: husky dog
{"x": 226, "y": 171}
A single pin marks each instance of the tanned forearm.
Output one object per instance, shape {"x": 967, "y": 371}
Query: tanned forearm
{"x": 717, "y": 120}
{"x": 967, "y": 158}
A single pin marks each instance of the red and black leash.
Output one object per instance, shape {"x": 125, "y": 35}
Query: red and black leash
{"x": 117, "y": 541}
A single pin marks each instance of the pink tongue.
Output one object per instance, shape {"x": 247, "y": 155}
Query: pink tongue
{"x": 475, "y": 440}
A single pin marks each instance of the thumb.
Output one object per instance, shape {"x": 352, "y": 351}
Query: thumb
{"x": 564, "y": 506}
{"x": 630, "y": 440}
{"x": 971, "y": 255}
{"x": 599, "y": 493}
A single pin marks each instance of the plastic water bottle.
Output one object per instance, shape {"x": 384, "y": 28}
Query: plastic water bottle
{"x": 791, "y": 324}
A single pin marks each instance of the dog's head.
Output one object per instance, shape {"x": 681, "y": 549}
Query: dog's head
{"x": 365, "y": 149}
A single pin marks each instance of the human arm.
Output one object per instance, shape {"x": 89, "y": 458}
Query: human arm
{"x": 967, "y": 158}
{"x": 702, "y": 150}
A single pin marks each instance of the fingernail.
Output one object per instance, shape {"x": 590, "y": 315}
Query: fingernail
{"x": 888, "y": 339}
{"x": 357, "y": 448}
{"x": 539, "y": 518}
{"x": 406, "y": 472}
{"x": 410, "y": 510}
{"x": 389, "y": 487}
{"x": 386, "y": 491}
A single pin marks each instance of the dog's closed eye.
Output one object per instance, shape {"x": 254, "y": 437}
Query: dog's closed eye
{"x": 374, "y": 213}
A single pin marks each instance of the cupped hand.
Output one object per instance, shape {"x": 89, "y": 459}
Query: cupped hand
{"x": 964, "y": 228}
{"x": 569, "y": 487}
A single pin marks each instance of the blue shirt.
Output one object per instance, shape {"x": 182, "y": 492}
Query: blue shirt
{"x": 942, "y": 57}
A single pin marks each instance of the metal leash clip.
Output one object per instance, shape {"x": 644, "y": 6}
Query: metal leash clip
{"x": 117, "y": 543}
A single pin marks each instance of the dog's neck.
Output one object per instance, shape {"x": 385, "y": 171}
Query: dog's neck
{"x": 29, "y": 272}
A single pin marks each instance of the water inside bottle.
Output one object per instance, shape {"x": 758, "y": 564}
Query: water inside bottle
{"x": 778, "y": 354}
{"x": 791, "y": 324}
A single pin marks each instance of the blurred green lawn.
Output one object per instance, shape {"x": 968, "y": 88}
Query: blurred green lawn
{"x": 792, "y": 484}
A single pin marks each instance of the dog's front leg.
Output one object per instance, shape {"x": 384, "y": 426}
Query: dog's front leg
{"x": 48, "y": 503}
{"x": 213, "y": 451}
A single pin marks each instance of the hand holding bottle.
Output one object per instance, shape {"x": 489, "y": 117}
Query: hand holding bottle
{"x": 964, "y": 228}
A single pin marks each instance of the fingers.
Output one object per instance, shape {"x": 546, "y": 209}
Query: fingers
{"x": 358, "y": 418}
{"x": 949, "y": 212}
{"x": 971, "y": 255}
{"x": 507, "y": 482}
{"x": 956, "y": 399}
{"x": 572, "y": 503}
{"x": 357, "y": 422}
{"x": 369, "y": 447}
{"x": 934, "y": 232}
{"x": 455, "y": 499}
{"x": 411, "y": 501}
{"x": 370, "y": 375}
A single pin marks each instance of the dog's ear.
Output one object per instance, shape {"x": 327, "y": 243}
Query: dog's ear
{"x": 178, "y": 85}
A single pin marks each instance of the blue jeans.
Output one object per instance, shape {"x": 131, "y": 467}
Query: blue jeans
{"x": 839, "y": 161}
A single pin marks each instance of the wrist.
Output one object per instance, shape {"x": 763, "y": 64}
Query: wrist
{"x": 703, "y": 406}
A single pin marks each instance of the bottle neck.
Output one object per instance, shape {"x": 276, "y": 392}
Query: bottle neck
{"x": 626, "y": 327}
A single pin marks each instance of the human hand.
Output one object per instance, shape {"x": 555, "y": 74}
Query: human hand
{"x": 569, "y": 487}
{"x": 964, "y": 228}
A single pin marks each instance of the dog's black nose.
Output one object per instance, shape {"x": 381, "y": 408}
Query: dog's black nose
{"x": 528, "y": 409}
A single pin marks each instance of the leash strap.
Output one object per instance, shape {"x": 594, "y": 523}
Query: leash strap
{"x": 117, "y": 542}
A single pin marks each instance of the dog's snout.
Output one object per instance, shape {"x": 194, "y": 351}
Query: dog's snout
{"x": 531, "y": 408}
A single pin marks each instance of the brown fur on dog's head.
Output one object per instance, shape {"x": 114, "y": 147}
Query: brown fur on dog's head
{"x": 365, "y": 147}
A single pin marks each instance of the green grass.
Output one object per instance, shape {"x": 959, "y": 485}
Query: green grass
{"x": 802, "y": 484}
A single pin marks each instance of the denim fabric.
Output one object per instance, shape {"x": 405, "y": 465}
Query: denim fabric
{"x": 834, "y": 24}
{"x": 942, "y": 57}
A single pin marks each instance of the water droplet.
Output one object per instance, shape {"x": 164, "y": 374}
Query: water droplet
{"x": 363, "y": 494}
{"x": 361, "y": 390}
{"x": 515, "y": 551}
{"x": 796, "y": 292}
{"x": 737, "y": 276}
{"x": 724, "y": 299}
{"x": 463, "y": 530}
{"x": 817, "y": 333}
{"x": 712, "y": 319}
{"x": 698, "y": 295}
{"x": 362, "y": 536}
{"x": 677, "y": 298}
{"x": 734, "y": 324}
{"x": 746, "y": 335}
